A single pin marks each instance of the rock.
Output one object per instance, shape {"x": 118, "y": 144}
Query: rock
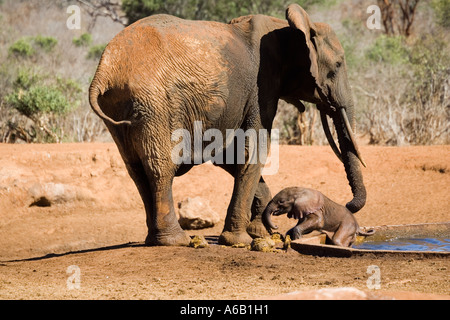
{"x": 195, "y": 213}
{"x": 47, "y": 194}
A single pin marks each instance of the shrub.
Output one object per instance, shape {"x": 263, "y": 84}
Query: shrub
{"x": 38, "y": 100}
{"x": 390, "y": 49}
{"x": 442, "y": 12}
{"x": 95, "y": 52}
{"x": 83, "y": 41}
{"x": 25, "y": 79}
{"x": 46, "y": 43}
{"x": 409, "y": 104}
{"x": 26, "y": 47}
{"x": 430, "y": 58}
{"x": 217, "y": 10}
{"x": 42, "y": 99}
{"x": 21, "y": 48}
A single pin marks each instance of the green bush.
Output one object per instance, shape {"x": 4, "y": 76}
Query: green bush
{"x": 407, "y": 97}
{"x": 83, "y": 41}
{"x": 38, "y": 100}
{"x": 71, "y": 90}
{"x": 217, "y": 10}
{"x": 351, "y": 56}
{"x": 95, "y": 52}
{"x": 442, "y": 12}
{"x": 25, "y": 79}
{"x": 389, "y": 49}
{"x": 33, "y": 96}
{"x": 46, "y": 43}
{"x": 26, "y": 47}
{"x": 43, "y": 99}
{"x": 22, "y": 48}
{"x": 430, "y": 57}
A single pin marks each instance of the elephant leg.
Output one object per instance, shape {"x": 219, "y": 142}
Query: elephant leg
{"x": 134, "y": 166}
{"x": 162, "y": 222}
{"x": 308, "y": 224}
{"x": 155, "y": 189}
{"x": 343, "y": 237}
{"x": 256, "y": 228}
{"x": 137, "y": 173}
{"x": 246, "y": 179}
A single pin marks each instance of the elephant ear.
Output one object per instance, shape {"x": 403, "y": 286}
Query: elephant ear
{"x": 299, "y": 19}
{"x": 309, "y": 201}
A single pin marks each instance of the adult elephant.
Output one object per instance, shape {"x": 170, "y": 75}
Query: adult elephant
{"x": 163, "y": 73}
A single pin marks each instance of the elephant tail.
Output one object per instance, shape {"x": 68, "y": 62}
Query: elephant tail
{"x": 94, "y": 91}
{"x": 365, "y": 233}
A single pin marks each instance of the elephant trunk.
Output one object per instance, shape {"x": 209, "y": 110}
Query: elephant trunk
{"x": 266, "y": 216}
{"x": 350, "y": 157}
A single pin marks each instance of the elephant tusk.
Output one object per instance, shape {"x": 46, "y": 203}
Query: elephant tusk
{"x": 326, "y": 129}
{"x": 351, "y": 136}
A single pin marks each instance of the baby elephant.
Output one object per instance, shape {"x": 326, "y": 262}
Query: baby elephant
{"x": 314, "y": 211}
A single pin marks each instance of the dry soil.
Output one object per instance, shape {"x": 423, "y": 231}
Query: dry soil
{"x": 99, "y": 227}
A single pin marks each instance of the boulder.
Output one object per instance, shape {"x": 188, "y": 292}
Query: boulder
{"x": 47, "y": 194}
{"x": 195, "y": 213}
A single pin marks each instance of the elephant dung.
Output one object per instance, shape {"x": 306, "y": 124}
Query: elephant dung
{"x": 198, "y": 242}
{"x": 287, "y": 243}
{"x": 263, "y": 244}
{"x": 274, "y": 243}
{"x": 195, "y": 213}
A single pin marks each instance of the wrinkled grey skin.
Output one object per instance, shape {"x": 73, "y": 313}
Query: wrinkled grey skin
{"x": 314, "y": 211}
{"x": 163, "y": 73}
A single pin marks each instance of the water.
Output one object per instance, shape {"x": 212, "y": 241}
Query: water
{"x": 440, "y": 244}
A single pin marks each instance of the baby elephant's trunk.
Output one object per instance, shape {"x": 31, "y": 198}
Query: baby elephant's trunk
{"x": 266, "y": 216}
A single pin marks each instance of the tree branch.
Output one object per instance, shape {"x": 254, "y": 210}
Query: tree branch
{"x": 104, "y": 8}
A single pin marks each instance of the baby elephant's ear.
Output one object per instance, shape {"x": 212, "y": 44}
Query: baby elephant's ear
{"x": 309, "y": 201}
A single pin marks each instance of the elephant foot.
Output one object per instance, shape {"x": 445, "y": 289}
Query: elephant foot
{"x": 175, "y": 238}
{"x": 256, "y": 229}
{"x": 229, "y": 238}
{"x": 294, "y": 233}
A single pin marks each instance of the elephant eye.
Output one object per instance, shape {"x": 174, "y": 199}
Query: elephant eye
{"x": 331, "y": 74}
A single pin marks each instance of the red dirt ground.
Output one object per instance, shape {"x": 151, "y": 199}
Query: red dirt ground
{"x": 405, "y": 185}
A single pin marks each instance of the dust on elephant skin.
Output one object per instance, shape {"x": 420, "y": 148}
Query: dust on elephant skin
{"x": 162, "y": 74}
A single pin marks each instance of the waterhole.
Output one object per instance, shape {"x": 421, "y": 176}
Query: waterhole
{"x": 438, "y": 244}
